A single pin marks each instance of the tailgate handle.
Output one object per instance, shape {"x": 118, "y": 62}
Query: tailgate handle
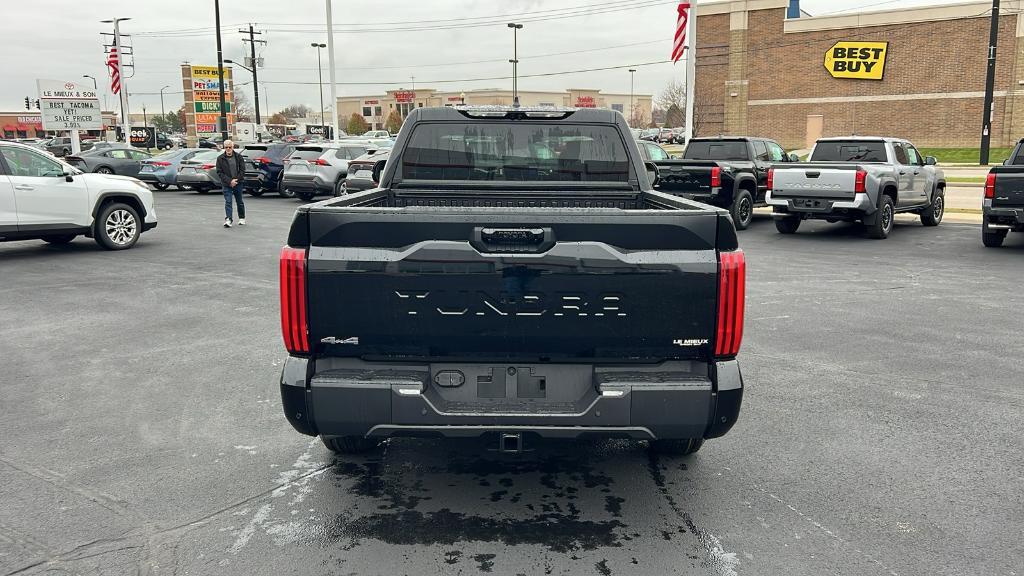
{"x": 513, "y": 240}
{"x": 813, "y": 174}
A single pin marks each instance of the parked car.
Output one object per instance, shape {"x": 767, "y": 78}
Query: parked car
{"x": 728, "y": 172}
{"x": 649, "y": 134}
{"x": 665, "y": 136}
{"x": 51, "y": 200}
{"x": 123, "y": 161}
{"x": 376, "y": 134}
{"x": 364, "y": 172}
{"x": 1003, "y": 206}
{"x": 161, "y": 171}
{"x": 264, "y": 166}
{"x": 216, "y": 142}
{"x": 61, "y": 146}
{"x": 858, "y": 179}
{"x": 652, "y": 151}
{"x": 199, "y": 172}
{"x": 320, "y": 168}
{"x": 464, "y": 310}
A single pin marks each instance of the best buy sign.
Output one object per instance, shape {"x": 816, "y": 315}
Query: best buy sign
{"x": 861, "y": 60}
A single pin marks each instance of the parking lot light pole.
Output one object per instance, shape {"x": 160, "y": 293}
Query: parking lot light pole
{"x": 990, "y": 79}
{"x": 515, "y": 61}
{"x": 320, "y": 73}
{"x": 223, "y": 120}
{"x": 632, "y": 111}
{"x": 93, "y": 78}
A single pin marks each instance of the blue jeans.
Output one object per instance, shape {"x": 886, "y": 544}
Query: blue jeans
{"x": 237, "y": 193}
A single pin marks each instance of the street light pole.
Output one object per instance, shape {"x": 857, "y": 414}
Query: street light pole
{"x": 320, "y": 74}
{"x": 94, "y": 87}
{"x": 990, "y": 80}
{"x": 632, "y": 111}
{"x": 223, "y": 120}
{"x": 515, "y": 61}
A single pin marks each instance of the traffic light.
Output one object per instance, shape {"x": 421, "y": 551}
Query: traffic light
{"x": 28, "y": 103}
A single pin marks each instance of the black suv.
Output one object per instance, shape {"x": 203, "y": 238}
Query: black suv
{"x": 264, "y": 167}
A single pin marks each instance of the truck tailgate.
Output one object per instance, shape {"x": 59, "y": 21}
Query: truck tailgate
{"x": 685, "y": 176}
{"x": 532, "y": 285}
{"x": 815, "y": 181}
{"x": 1008, "y": 187}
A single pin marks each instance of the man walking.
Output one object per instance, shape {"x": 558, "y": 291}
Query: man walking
{"x": 231, "y": 170}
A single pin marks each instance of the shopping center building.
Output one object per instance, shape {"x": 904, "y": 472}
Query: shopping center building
{"x": 765, "y": 68}
{"x": 375, "y": 109}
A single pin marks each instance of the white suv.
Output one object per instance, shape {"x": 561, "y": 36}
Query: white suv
{"x": 44, "y": 198}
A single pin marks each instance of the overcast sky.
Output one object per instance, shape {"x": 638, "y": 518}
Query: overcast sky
{"x": 61, "y": 39}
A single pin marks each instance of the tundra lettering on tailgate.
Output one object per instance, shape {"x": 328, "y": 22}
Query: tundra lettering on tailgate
{"x": 480, "y": 303}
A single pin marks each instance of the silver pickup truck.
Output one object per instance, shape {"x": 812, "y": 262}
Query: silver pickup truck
{"x": 857, "y": 179}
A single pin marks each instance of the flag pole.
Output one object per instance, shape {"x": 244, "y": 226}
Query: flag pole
{"x": 691, "y": 68}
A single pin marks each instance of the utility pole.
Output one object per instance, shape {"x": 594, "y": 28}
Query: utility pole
{"x": 162, "y": 113}
{"x": 515, "y": 61}
{"x": 126, "y": 128}
{"x": 990, "y": 80}
{"x": 330, "y": 62}
{"x": 145, "y": 121}
{"x": 223, "y": 120}
{"x": 255, "y": 80}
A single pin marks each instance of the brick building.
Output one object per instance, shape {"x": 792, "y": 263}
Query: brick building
{"x": 375, "y": 109}
{"x": 762, "y": 73}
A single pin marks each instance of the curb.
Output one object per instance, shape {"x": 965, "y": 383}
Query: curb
{"x": 963, "y": 210}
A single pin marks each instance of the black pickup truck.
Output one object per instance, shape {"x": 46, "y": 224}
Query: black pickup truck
{"x": 1003, "y": 207}
{"x": 729, "y": 172}
{"x": 513, "y": 276}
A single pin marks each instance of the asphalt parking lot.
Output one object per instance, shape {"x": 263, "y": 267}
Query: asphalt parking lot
{"x": 142, "y": 429}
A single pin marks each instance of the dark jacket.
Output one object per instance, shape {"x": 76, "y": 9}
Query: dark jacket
{"x": 223, "y": 168}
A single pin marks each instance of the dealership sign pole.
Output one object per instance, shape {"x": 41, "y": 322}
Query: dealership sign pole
{"x": 685, "y": 43}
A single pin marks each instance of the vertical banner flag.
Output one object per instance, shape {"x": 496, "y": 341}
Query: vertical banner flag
{"x": 115, "y": 70}
{"x": 679, "y": 44}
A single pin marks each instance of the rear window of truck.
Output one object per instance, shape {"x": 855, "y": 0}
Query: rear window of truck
{"x": 697, "y": 150}
{"x": 849, "y": 151}
{"x": 520, "y": 152}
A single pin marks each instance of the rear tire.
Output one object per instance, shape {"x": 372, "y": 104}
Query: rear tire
{"x": 787, "y": 224}
{"x": 742, "y": 210}
{"x": 340, "y": 188}
{"x": 932, "y": 215}
{"x": 183, "y": 186}
{"x": 884, "y": 220}
{"x": 202, "y": 190}
{"x": 306, "y": 196}
{"x": 255, "y": 192}
{"x": 673, "y": 447}
{"x": 62, "y": 239}
{"x": 104, "y": 170}
{"x": 282, "y": 191}
{"x": 349, "y": 444}
{"x": 159, "y": 185}
{"x": 993, "y": 239}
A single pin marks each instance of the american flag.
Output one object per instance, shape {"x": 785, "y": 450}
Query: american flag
{"x": 115, "y": 70}
{"x": 679, "y": 44}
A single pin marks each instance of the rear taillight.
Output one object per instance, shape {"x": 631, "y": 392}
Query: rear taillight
{"x": 716, "y": 177}
{"x": 206, "y": 167}
{"x": 858, "y": 182}
{"x": 732, "y": 278}
{"x": 293, "y": 300}
{"x": 160, "y": 163}
{"x": 990, "y": 186}
{"x": 262, "y": 160}
{"x": 321, "y": 162}
{"x": 771, "y": 179}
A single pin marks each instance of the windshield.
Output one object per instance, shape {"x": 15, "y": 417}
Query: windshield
{"x": 716, "y": 150}
{"x": 849, "y": 151}
{"x": 522, "y": 152}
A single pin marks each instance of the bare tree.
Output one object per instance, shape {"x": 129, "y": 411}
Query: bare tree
{"x": 702, "y": 105}
{"x": 244, "y": 111}
{"x": 673, "y": 94}
{"x": 297, "y": 111}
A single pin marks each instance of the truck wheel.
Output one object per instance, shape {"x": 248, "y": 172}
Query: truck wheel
{"x": 742, "y": 210}
{"x": 787, "y": 224}
{"x": 62, "y": 239}
{"x": 932, "y": 215}
{"x": 349, "y": 444}
{"x": 883, "y": 222}
{"x": 993, "y": 239}
{"x": 117, "y": 226}
{"x": 677, "y": 447}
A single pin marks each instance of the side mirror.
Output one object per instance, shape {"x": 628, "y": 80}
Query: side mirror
{"x": 68, "y": 176}
{"x": 794, "y": 158}
{"x": 652, "y": 173}
{"x": 378, "y": 169}
{"x": 930, "y": 160}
